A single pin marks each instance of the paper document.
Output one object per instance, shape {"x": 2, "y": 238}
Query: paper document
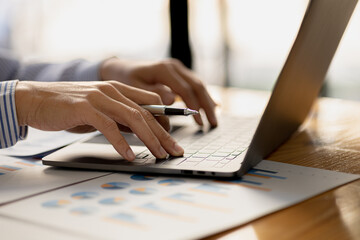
{"x": 38, "y": 142}
{"x": 22, "y": 230}
{"x": 20, "y": 177}
{"x": 125, "y": 206}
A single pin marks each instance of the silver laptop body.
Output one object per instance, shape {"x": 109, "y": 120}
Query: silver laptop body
{"x": 237, "y": 144}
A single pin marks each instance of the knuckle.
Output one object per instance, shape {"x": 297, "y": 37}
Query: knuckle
{"x": 81, "y": 104}
{"x": 147, "y": 115}
{"x": 186, "y": 88}
{"x": 112, "y": 82}
{"x": 135, "y": 115}
{"x": 155, "y": 98}
{"x": 94, "y": 93}
{"x": 199, "y": 86}
{"x": 175, "y": 61}
{"x": 163, "y": 65}
{"x": 120, "y": 141}
{"x": 165, "y": 136}
{"x": 106, "y": 86}
{"x": 168, "y": 64}
{"x": 110, "y": 126}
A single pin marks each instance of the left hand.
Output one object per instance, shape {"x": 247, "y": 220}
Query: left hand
{"x": 166, "y": 78}
{"x": 107, "y": 106}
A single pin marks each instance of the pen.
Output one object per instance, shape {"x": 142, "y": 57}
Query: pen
{"x": 166, "y": 110}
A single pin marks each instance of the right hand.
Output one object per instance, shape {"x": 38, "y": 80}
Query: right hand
{"x": 167, "y": 78}
{"x": 102, "y": 105}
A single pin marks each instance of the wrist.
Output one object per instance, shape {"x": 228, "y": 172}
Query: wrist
{"x": 110, "y": 69}
{"x": 23, "y": 101}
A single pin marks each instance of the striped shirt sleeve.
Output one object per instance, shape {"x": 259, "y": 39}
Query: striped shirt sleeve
{"x": 10, "y": 131}
{"x": 12, "y": 68}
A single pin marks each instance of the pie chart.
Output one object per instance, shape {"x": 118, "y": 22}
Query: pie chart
{"x": 80, "y": 211}
{"x": 142, "y": 191}
{"x": 84, "y": 195}
{"x": 112, "y": 201}
{"x": 171, "y": 182}
{"x": 56, "y": 203}
{"x": 139, "y": 177}
{"x": 115, "y": 185}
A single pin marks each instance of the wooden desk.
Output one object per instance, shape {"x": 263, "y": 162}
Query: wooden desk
{"x": 330, "y": 139}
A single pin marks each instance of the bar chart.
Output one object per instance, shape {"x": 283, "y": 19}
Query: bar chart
{"x": 139, "y": 206}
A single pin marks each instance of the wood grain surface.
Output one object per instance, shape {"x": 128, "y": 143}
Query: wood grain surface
{"x": 329, "y": 139}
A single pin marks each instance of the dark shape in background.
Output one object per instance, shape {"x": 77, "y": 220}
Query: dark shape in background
{"x": 179, "y": 45}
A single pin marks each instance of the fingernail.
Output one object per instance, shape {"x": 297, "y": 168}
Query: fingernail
{"x": 130, "y": 154}
{"x": 214, "y": 122}
{"x": 162, "y": 152}
{"x": 200, "y": 121}
{"x": 179, "y": 151}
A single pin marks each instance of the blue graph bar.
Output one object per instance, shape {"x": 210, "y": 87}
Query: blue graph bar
{"x": 262, "y": 170}
{"x": 256, "y": 172}
{"x": 246, "y": 181}
{"x": 9, "y": 168}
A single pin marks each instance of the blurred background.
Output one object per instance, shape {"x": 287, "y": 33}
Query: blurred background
{"x": 237, "y": 43}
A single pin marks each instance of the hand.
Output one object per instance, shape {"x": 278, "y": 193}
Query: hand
{"x": 166, "y": 78}
{"x": 102, "y": 105}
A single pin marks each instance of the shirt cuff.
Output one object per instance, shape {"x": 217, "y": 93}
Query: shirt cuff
{"x": 10, "y": 132}
{"x": 88, "y": 71}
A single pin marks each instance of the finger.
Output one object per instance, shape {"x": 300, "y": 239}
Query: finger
{"x": 130, "y": 117}
{"x": 162, "y": 136}
{"x": 167, "y": 75}
{"x": 109, "y": 128}
{"x": 167, "y": 96}
{"x": 140, "y": 127}
{"x": 169, "y": 144}
{"x": 140, "y": 96}
{"x": 206, "y": 102}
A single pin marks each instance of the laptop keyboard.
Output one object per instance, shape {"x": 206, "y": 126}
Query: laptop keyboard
{"x": 214, "y": 148}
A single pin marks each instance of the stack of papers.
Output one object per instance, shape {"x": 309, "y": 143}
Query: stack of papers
{"x": 132, "y": 206}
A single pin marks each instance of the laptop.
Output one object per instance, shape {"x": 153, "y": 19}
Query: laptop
{"x": 237, "y": 144}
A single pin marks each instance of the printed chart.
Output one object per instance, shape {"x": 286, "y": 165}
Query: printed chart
{"x": 16, "y": 165}
{"x": 129, "y": 206}
{"x": 23, "y": 177}
{"x": 38, "y": 142}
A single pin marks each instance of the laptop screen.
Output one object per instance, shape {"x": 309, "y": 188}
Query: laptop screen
{"x": 301, "y": 78}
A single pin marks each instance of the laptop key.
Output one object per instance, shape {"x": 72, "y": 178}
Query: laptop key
{"x": 139, "y": 160}
{"x": 231, "y": 157}
{"x": 174, "y": 161}
{"x": 212, "y": 158}
{"x": 200, "y": 155}
{"x": 190, "y": 151}
{"x": 220, "y": 154}
{"x": 206, "y": 151}
{"x": 194, "y": 159}
{"x": 188, "y": 164}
